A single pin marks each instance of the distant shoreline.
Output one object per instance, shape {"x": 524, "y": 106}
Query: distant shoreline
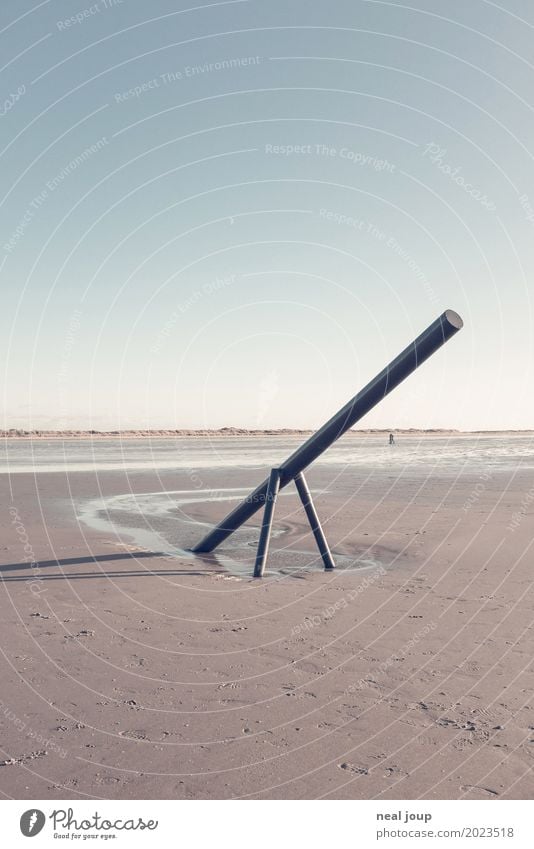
{"x": 19, "y": 433}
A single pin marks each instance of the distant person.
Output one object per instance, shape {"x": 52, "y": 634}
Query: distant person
{"x": 391, "y": 439}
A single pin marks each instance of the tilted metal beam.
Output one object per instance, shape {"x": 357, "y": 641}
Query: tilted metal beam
{"x": 439, "y": 332}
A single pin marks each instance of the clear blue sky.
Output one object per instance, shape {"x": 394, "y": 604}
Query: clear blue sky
{"x": 236, "y": 214}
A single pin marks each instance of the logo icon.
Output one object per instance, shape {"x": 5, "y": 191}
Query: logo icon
{"x": 32, "y": 822}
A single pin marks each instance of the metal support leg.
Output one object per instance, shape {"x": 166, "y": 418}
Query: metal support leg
{"x": 313, "y": 518}
{"x": 270, "y": 500}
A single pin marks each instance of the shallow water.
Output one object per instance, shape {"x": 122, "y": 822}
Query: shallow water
{"x": 157, "y": 520}
{"x": 160, "y": 521}
{"x": 414, "y": 453}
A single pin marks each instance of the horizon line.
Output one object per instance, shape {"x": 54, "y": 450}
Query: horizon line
{"x": 15, "y": 432}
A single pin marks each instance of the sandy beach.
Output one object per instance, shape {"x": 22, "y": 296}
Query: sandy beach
{"x": 132, "y": 672}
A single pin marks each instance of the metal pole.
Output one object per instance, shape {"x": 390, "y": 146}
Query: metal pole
{"x": 273, "y": 486}
{"x": 416, "y": 353}
{"x": 313, "y": 518}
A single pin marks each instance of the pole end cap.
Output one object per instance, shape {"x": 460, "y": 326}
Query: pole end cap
{"x": 453, "y": 318}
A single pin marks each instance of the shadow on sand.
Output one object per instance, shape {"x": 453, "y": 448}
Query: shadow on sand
{"x": 212, "y": 567}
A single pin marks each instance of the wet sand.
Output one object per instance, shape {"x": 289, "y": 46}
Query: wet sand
{"x": 131, "y": 674}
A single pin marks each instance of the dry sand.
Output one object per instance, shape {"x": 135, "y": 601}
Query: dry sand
{"x": 130, "y": 675}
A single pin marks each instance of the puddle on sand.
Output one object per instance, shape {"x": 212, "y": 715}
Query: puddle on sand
{"x": 159, "y": 522}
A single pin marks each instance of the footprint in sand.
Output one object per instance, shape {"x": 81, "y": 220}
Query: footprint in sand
{"x": 466, "y": 787}
{"x": 355, "y": 769}
{"x": 394, "y": 770}
{"x": 135, "y": 734}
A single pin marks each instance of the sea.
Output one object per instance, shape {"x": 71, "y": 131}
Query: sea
{"x": 413, "y": 452}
